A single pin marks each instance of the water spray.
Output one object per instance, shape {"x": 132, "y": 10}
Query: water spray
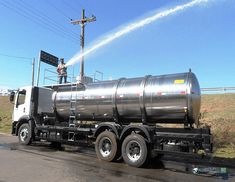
{"x": 131, "y": 27}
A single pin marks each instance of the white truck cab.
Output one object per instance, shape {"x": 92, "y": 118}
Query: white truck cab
{"x": 29, "y": 102}
{"x": 23, "y": 103}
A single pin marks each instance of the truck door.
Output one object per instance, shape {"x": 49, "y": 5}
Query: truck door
{"x": 22, "y": 105}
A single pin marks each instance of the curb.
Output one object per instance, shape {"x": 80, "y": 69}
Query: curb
{"x": 5, "y": 134}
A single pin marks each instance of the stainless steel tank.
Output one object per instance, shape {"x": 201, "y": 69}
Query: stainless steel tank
{"x": 173, "y": 98}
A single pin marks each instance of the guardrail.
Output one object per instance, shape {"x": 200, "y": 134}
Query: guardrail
{"x": 218, "y": 90}
{"x": 51, "y": 77}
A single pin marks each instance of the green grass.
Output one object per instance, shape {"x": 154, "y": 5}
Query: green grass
{"x": 227, "y": 151}
{"x": 5, "y": 114}
{"x": 218, "y": 112}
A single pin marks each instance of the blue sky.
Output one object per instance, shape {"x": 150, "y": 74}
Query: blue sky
{"x": 201, "y": 38}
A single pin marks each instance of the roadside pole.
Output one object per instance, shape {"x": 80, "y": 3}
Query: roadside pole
{"x": 33, "y": 65}
{"x": 39, "y": 65}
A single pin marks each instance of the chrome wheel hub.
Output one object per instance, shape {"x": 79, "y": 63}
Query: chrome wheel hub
{"x": 133, "y": 151}
{"x": 105, "y": 147}
{"x": 24, "y": 133}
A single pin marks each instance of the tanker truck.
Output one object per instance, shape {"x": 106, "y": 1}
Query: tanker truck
{"x": 120, "y": 118}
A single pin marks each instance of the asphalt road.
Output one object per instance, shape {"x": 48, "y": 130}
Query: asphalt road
{"x": 40, "y": 162}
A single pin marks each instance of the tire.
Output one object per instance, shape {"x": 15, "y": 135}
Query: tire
{"x": 106, "y": 146}
{"x": 134, "y": 150}
{"x": 24, "y": 134}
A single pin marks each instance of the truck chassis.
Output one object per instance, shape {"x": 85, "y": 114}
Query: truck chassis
{"x": 135, "y": 143}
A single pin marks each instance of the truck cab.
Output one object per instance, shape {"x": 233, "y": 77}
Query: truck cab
{"x": 30, "y": 103}
{"x": 22, "y": 107}
{"x": 22, "y": 103}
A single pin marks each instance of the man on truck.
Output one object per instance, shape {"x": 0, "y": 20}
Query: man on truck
{"x": 62, "y": 71}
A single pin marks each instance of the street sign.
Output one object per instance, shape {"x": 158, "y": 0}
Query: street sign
{"x": 49, "y": 58}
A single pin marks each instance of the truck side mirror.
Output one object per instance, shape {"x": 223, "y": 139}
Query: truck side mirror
{"x": 12, "y": 96}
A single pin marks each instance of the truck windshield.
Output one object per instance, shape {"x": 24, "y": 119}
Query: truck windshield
{"x": 21, "y": 97}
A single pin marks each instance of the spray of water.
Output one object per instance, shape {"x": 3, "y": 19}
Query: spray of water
{"x": 131, "y": 27}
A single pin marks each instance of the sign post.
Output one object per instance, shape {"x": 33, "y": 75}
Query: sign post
{"x": 48, "y": 59}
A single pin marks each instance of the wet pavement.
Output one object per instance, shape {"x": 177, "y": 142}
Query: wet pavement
{"x": 40, "y": 162}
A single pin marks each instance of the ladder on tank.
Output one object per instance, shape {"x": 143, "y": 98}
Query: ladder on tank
{"x": 73, "y": 111}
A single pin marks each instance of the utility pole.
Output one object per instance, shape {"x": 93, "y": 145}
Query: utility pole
{"x": 82, "y": 22}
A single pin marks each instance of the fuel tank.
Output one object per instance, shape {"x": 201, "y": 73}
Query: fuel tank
{"x": 173, "y": 98}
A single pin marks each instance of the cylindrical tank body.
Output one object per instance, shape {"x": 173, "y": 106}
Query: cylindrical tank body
{"x": 173, "y": 98}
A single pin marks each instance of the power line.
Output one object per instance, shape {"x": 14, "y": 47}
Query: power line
{"x": 69, "y": 6}
{"x": 43, "y": 17}
{"x": 26, "y": 15}
{"x": 56, "y": 8}
{"x": 46, "y": 18}
{"x": 74, "y": 9}
{"x": 45, "y": 25}
{"x": 18, "y": 57}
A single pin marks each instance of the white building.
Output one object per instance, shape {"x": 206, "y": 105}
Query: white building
{"x": 4, "y": 92}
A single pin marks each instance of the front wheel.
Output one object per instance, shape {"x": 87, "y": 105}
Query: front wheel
{"x": 134, "y": 150}
{"x": 24, "y": 134}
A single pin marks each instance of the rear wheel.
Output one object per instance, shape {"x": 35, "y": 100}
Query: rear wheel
{"x": 24, "y": 134}
{"x": 106, "y": 146}
{"x": 134, "y": 150}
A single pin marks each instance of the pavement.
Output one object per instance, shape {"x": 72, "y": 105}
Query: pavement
{"x": 40, "y": 162}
